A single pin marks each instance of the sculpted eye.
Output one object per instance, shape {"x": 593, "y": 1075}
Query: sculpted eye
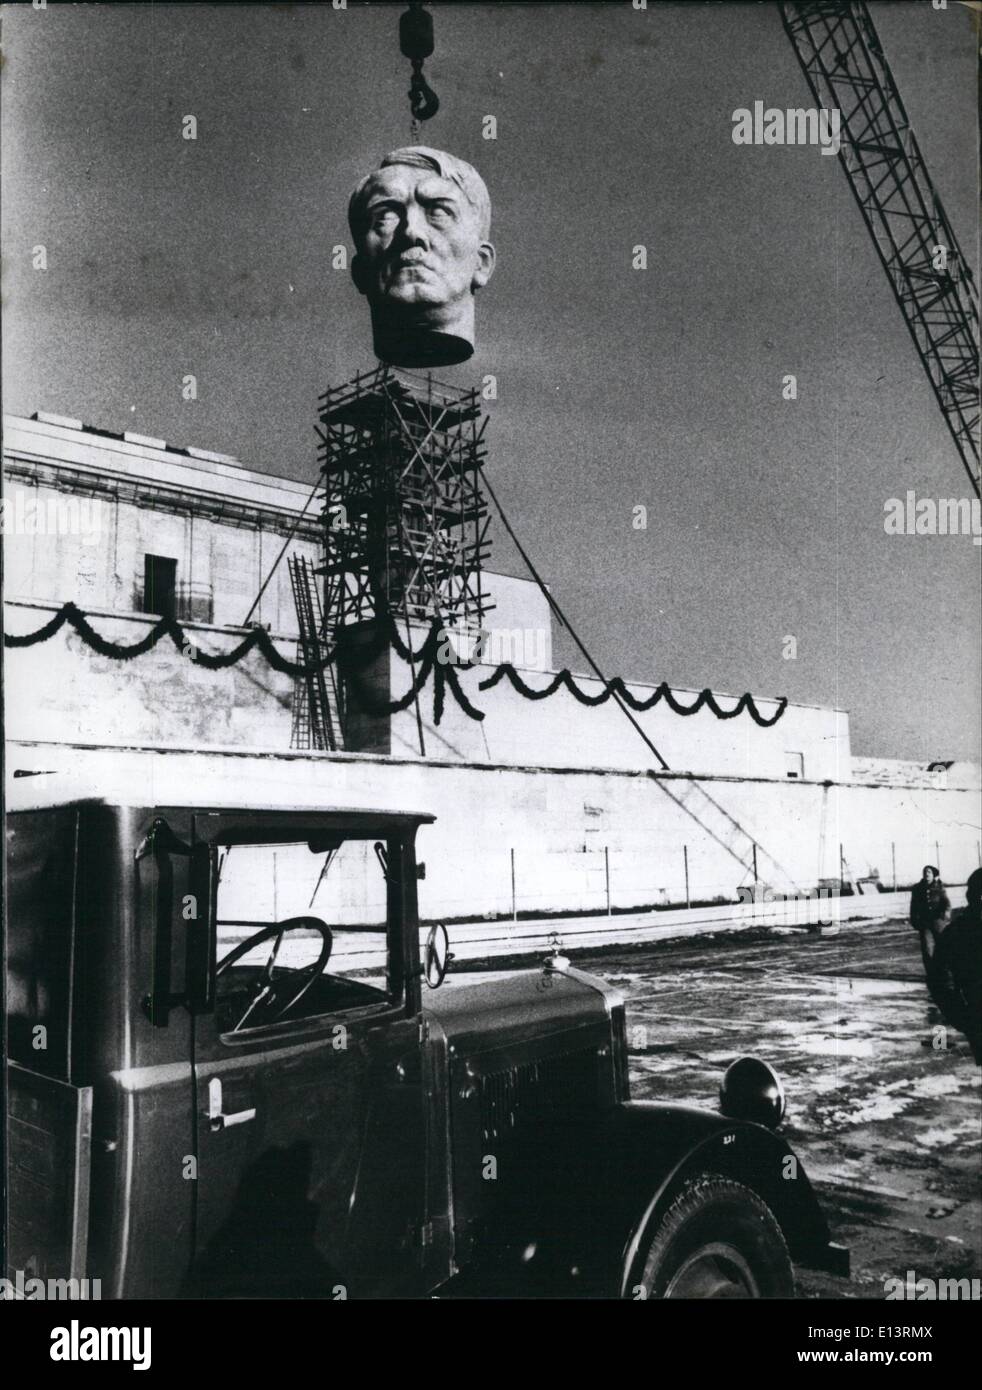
{"x": 441, "y": 212}
{"x": 382, "y": 218}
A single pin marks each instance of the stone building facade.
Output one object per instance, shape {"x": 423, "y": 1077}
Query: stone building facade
{"x": 558, "y": 798}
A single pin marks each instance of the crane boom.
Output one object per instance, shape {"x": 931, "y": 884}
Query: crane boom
{"x": 845, "y": 66}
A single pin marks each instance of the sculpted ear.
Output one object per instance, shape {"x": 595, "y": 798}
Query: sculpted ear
{"x": 485, "y": 265}
{"x": 359, "y": 274}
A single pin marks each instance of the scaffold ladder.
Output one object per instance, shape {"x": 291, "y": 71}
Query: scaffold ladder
{"x": 316, "y": 711}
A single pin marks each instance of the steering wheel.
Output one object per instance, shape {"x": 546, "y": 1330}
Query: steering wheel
{"x": 270, "y": 999}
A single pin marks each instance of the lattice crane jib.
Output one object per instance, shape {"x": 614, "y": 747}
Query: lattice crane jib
{"x": 846, "y": 68}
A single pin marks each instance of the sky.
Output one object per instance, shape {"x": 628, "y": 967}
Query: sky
{"x": 617, "y": 387}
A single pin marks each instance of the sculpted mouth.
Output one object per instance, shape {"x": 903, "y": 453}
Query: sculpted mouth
{"x": 412, "y": 256}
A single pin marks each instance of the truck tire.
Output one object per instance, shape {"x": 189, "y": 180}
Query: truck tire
{"x": 718, "y": 1239}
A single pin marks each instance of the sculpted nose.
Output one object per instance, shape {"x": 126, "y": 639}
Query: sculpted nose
{"x": 415, "y": 229}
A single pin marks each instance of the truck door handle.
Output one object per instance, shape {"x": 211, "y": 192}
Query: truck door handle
{"x": 215, "y": 1117}
{"x": 409, "y": 1070}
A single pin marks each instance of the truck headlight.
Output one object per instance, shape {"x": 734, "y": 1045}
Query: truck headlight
{"x": 752, "y": 1090}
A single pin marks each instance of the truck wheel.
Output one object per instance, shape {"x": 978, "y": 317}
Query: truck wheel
{"x": 718, "y": 1239}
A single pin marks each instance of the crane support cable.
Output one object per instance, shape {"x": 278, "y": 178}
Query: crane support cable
{"x": 554, "y": 606}
{"x": 275, "y": 565}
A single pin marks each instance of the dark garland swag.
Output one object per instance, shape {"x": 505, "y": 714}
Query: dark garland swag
{"x": 424, "y": 661}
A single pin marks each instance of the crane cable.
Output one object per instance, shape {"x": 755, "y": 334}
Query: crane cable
{"x": 551, "y": 600}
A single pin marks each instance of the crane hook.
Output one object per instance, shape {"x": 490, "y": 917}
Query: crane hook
{"x": 423, "y": 101}
{"x": 416, "y": 43}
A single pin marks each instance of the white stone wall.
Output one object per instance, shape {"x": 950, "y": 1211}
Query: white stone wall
{"x": 555, "y": 826}
{"x": 64, "y": 691}
{"x": 561, "y": 732}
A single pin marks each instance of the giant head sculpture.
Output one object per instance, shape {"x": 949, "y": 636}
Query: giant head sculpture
{"x": 420, "y": 225}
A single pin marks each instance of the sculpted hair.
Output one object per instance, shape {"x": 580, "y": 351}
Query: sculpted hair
{"x": 448, "y": 166}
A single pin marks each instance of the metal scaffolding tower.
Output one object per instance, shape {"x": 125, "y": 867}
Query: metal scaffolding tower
{"x": 846, "y": 68}
{"x": 405, "y": 520}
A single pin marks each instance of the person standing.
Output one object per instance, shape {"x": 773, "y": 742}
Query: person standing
{"x": 955, "y": 970}
{"x": 929, "y": 907}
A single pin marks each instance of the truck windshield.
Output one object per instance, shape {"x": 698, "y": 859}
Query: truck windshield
{"x": 338, "y": 894}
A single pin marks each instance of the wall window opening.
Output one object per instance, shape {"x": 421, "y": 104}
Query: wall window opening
{"x": 160, "y": 585}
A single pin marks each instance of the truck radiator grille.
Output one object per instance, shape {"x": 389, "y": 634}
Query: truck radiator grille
{"x": 549, "y": 1089}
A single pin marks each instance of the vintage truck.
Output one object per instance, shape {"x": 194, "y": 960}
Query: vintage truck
{"x": 232, "y": 1073}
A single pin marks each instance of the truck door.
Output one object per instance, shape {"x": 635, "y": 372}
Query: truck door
{"x": 49, "y": 1117}
{"x": 311, "y": 1145}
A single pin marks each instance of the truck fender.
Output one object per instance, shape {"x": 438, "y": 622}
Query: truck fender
{"x": 654, "y": 1147}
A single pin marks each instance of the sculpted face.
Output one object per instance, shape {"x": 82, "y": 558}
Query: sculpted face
{"x": 420, "y": 230}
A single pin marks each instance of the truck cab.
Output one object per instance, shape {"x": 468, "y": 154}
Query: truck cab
{"x": 235, "y": 1069}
